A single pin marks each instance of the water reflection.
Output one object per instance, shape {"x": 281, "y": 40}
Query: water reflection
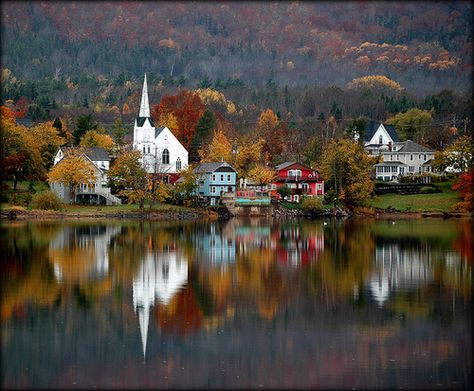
{"x": 237, "y": 303}
{"x": 161, "y": 275}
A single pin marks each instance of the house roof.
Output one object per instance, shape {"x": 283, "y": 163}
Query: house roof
{"x": 372, "y": 127}
{"x": 289, "y": 164}
{"x": 26, "y": 121}
{"x": 93, "y": 153}
{"x": 410, "y": 146}
{"x": 141, "y": 121}
{"x": 428, "y": 163}
{"x": 390, "y": 164}
{"x": 210, "y": 167}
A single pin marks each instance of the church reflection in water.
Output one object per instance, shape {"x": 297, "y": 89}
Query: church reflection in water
{"x": 160, "y": 276}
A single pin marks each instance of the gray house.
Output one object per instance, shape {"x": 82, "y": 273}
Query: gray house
{"x": 215, "y": 178}
{"x": 96, "y": 193}
{"x": 403, "y": 158}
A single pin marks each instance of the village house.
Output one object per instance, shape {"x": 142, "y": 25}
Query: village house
{"x": 301, "y": 179}
{"x": 96, "y": 193}
{"x": 214, "y": 178}
{"x": 161, "y": 151}
{"x": 403, "y": 158}
{"x": 378, "y": 137}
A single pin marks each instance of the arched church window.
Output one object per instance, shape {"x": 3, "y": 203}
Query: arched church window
{"x": 148, "y": 149}
{"x": 143, "y": 149}
{"x": 178, "y": 164}
{"x": 380, "y": 139}
{"x": 165, "y": 158}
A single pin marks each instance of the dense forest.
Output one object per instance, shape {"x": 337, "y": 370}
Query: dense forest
{"x": 306, "y": 61}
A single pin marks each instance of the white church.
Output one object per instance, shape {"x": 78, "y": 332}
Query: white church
{"x": 161, "y": 151}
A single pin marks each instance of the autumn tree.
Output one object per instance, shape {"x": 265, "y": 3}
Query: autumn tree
{"x": 94, "y": 139}
{"x": 184, "y": 192}
{"x": 464, "y": 185}
{"x": 73, "y": 169}
{"x": 261, "y": 174}
{"x": 220, "y": 148}
{"x": 346, "y": 169}
{"x": 187, "y": 107}
{"x": 129, "y": 178}
{"x": 48, "y": 141}
{"x": 458, "y": 156}
{"x": 21, "y": 153}
{"x": 413, "y": 124}
{"x": 375, "y": 82}
{"x": 119, "y": 132}
{"x": 271, "y": 131}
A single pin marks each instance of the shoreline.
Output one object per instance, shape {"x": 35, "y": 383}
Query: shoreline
{"x": 17, "y": 214}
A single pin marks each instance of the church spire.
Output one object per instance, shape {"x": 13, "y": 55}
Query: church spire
{"x": 144, "y": 105}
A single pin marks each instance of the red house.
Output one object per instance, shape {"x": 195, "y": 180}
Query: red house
{"x": 301, "y": 179}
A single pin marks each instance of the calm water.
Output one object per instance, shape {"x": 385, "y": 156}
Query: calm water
{"x": 244, "y": 303}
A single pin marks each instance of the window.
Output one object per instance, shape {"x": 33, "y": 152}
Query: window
{"x": 148, "y": 149}
{"x": 213, "y": 189}
{"x": 213, "y": 177}
{"x": 228, "y": 177}
{"x": 391, "y": 157}
{"x": 386, "y": 169}
{"x": 394, "y": 169}
{"x": 178, "y": 164}
{"x": 165, "y": 157}
{"x": 424, "y": 157}
{"x": 380, "y": 140}
{"x": 411, "y": 157}
{"x": 379, "y": 169}
{"x": 143, "y": 149}
{"x": 319, "y": 186}
{"x": 419, "y": 156}
{"x": 222, "y": 177}
{"x": 411, "y": 169}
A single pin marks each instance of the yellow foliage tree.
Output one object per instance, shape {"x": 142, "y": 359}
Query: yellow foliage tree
{"x": 219, "y": 149}
{"x": 72, "y": 170}
{"x": 216, "y": 100}
{"x": 47, "y": 140}
{"x": 94, "y": 139}
{"x": 261, "y": 174}
{"x": 266, "y": 124}
{"x": 170, "y": 121}
{"x": 375, "y": 81}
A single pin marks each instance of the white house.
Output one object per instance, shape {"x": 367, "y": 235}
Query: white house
{"x": 96, "y": 193}
{"x": 378, "y": 137}
{"x": 403, "y": 158}
{"x": 161, "y": 151}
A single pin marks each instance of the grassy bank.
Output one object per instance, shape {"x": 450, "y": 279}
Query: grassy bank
{"x": 434, "y": 202}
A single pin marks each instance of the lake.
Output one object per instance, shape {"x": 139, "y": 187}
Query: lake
{"x": 245, "y": 303}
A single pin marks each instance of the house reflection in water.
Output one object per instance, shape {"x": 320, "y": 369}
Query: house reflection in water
{"x": 82, "y": 253}
{"x": 399, "y": 268}
{"x": 216, "y": 246}
{"x": 295, "y": 248}
{"x": 160, "y": 276}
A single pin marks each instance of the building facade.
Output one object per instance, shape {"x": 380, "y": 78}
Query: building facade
{"x": 215, "y": 178}
{"x": 378, "y": 137}
{"x": 302, "y": 180}
{"x": 161, "y": 151}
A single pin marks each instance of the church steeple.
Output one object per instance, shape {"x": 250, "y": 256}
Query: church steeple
{"x": 144, "y": 105}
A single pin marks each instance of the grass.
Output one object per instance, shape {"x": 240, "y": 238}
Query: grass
{"x": 434, "y": 202}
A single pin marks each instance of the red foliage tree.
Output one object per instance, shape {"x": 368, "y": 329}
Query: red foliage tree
{"x": 21, "y": 107}
{"x": 187, "y": 107}
{"x": 464, "y": 186}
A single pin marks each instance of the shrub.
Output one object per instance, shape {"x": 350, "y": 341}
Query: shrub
{"x": 428, "y": 190}
{"x": 313, "y": 205}
{"x": 22, "y": 198}
{"x": 46, "y": 200}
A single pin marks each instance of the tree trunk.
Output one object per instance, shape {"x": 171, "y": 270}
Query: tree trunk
{"x": 15, "y": 182}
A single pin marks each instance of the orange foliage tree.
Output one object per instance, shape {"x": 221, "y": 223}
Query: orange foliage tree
{"x": 187, "y": 108}
{"x": 464, "y": 186}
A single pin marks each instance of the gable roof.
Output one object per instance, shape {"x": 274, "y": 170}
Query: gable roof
{"x": 93, "y": 153}
{"x": 211, "y": 167}
{"x": 289, "y": 164}
{"x": 411, "y": 146}
{"x": 141, "y": 121}
{"x": 372, "y": 127}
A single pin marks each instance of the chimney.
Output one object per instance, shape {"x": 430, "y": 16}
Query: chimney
{"x": 390, "y": 146}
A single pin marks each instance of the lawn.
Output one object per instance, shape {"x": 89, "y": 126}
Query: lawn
{"x": 435, "y": 202}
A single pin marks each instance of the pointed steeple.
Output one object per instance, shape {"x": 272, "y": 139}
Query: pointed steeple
{"x": 143, "y": 318}
{"x": 144, "y": 105}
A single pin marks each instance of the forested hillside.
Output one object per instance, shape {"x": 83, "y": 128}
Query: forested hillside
{"x": 300, "y": 59}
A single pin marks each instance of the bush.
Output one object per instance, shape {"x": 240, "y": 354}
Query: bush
{"x": 313, "y": 205}
{"x": 428, "y": 190}
{"x": 20, "y": 198}
{"x": 46, "y": 200}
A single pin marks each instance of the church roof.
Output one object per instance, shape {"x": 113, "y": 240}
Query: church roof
{"x": 144, "y": 104}
{"x": 158, "y": 131}
{"x": 141, "y": 121}
{"x": 372, "y": 127}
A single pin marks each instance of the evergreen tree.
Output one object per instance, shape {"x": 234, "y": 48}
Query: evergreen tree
{"x": 83, "y": 124}
{"x": 206, "y": 124}
{"x": 119, "y": 131}
{"x": 59, "y": 127}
